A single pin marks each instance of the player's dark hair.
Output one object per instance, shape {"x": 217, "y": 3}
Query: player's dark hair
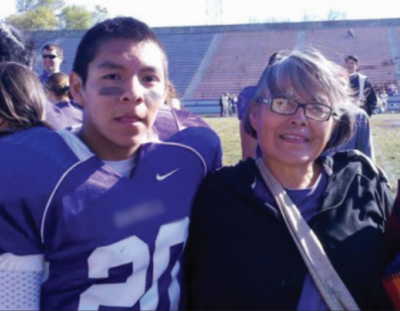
{"x": 22, "y": 98}
{"x": 54, "y": 46}
{"x": 116, "y": 28}
{"x": 15, "y": 46}
{"x": 352, "y": 57}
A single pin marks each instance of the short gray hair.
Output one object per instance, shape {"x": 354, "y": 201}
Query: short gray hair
{"x": 309, "y": 74}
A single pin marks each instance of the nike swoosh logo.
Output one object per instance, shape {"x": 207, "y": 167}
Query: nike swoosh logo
{"x": 162, "y": 177}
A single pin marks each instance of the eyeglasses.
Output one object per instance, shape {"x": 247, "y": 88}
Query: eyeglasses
{"x": 51, "y": 56}
{"x": 287, "y": 106}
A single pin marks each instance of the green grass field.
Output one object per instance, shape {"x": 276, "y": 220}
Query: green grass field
{"x": 386, "y": 137}
{"x": 385, "y": 131}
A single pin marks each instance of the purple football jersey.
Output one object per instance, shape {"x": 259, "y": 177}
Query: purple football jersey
{"x": 109, "y": 241}
{"x": 72, "y": 113}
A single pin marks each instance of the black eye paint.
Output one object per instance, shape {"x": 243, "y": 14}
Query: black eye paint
{"x": 111, "y": 91}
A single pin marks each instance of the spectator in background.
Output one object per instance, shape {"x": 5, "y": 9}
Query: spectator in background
{"x": 58, "y": 93}
{"x": 364, "y": 94}
{"x": 392, "y": 89}
{"x": 22, "y": 99}
{"x": 52, "y": 55}
{"x": 350, "y": 33}
{"x": 361, "y": 139}
{"x": 233, "y": 104}
{"x": 224, "y": 105}
{"x": 17, "y": 47}
{"x": 384, "y": 98}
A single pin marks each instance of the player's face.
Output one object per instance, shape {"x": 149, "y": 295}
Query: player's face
{"x": 125, "y": 86}
{"x": 351, "y": 66}
{"x": 51, "y": 61}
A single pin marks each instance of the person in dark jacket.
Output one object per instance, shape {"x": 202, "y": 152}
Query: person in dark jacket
{"x": 364, "y": 94}
{"x": 240, "y": 253}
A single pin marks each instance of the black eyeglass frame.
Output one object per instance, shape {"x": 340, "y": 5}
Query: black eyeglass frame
{"x": 302, "y": 105}
{"x": 51, "y": 56}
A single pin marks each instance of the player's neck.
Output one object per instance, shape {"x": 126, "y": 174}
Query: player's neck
{"x": 104, "y": 149}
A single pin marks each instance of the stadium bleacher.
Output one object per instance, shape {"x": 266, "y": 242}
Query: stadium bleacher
{"x": 206, "y": 61}
{"x": 185, "y": 54}
{"x": 393, "y": 104}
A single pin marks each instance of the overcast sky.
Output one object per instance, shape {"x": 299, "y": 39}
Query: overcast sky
{"x": 159, "y": 13}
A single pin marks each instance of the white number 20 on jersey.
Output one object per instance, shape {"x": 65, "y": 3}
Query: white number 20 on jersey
{"x": 134, "y": 251}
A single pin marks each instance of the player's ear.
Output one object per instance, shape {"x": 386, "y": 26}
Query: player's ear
{"x": 76, "y": 88}
{"x": 166, "y": 90}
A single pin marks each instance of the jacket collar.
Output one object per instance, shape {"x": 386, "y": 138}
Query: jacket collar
{"x": 340, "y": 178}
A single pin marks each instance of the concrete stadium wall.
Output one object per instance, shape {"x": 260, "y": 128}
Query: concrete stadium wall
{"x": 280, "y": 26}
{"x": 382, "y": 66}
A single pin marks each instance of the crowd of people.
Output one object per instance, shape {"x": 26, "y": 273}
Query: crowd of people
{"x": 228, "y": 105}
{"x": 112, "y": 196}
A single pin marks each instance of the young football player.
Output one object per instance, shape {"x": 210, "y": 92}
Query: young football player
{"x": 98, "y": 219}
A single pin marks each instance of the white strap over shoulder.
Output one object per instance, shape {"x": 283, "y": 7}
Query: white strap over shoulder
{"x": 361, "y": 79}
{"x": 330, "y": 285}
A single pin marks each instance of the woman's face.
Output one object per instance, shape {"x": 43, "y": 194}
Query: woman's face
{"x": 290, "y": 140}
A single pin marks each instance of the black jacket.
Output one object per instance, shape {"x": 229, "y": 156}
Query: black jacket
{"x": 241, "y": 256}
{"x": 370, "y": 102}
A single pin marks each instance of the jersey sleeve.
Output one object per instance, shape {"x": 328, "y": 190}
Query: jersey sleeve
{"x": 27, "y": 180}
{"x": 21, "y": 208}
{"x": 206, "y": 144}
{"x": 20, "y": 290}
{"x": 22, "y": 264}
{"x": 20, "y": 234}
{"x": 25, "y": 187}
{"x": 184, "y": 127}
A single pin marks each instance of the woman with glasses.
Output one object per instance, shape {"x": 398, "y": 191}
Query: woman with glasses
{"x": 246, "y": 249}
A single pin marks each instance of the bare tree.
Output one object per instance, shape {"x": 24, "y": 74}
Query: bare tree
{"x": 310, "y": 17}
{"x": 270, "y": 20}
{"x": 335, "y": 15}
